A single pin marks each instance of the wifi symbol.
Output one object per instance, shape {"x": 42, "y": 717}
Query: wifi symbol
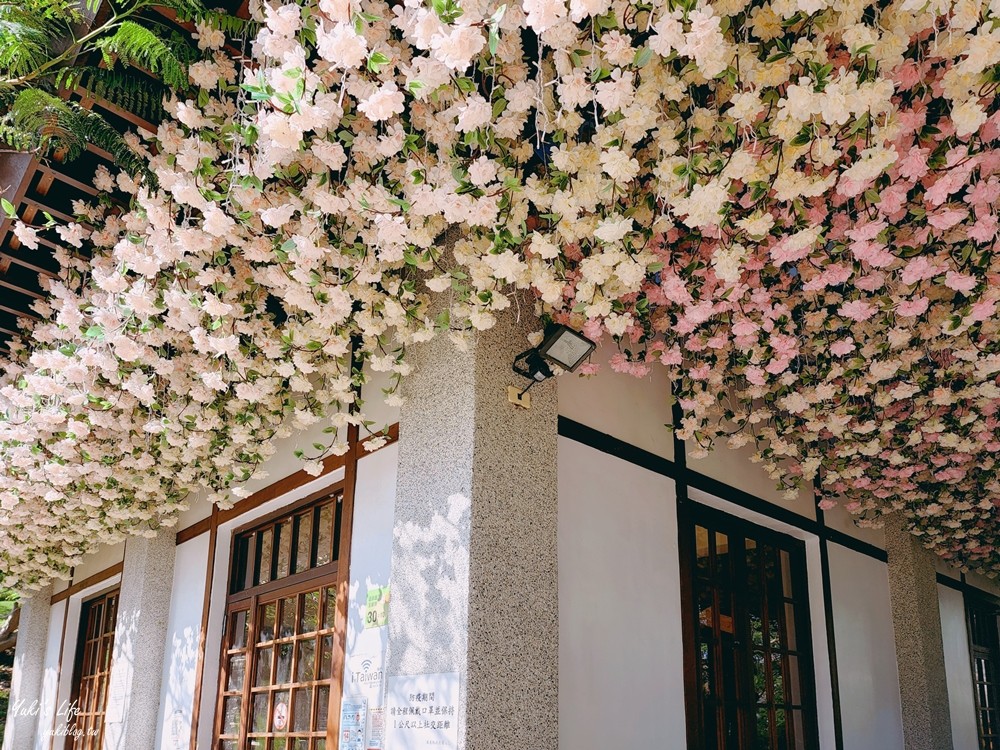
{"x": 366, "y": 665}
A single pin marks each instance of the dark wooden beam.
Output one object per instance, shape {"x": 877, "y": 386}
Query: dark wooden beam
{"x": 63, "y": 177}
{"x": 19, "y": 313}
{"x": 26, "y": 264}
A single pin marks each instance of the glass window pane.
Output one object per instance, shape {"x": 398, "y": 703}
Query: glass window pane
{"x": 239, "y": 622}
{"x": 281, "y": 712}
{"x": 267, "y": 614}
{"x": 236, "y": 672}
{"x": 289, "y": 614}
{"x": 262, "y": 675}
{"x": 322, "y": 708}
{"x": 283, "y": 671}
{"x": 794, "y": 681}
{"x": 721, "y": 554}
{"x": 302, "y": 710}
{"x": 303, "y": 554}
{"x": 324, "y": 544}
{"x": 702, "y": 560}
{"x": 310, "y": 612}
{"x": 265, "y": 541}
{"x": 762, "y": 728}
{"x": 284, "y": 557}
{"x": 798, "y": 731}
{"x": 305, "y": 664}
{"x": 786, "y": 575}
{"x": 330, "y": 610}
{"x": 260, "y": 711}
{"x": 790, "y": 641}
{"x": 326, "y": 658}
{"x": 231, "y": 715}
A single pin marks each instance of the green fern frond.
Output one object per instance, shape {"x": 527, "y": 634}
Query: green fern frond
{"x": 186, "y": 10}
{"x": 24, "y": 45}
{"x": 232, "y": 26}
{"x": 132, "y": 91}
{"x": 41, "y": 122}
{"x": 138, "y": 46}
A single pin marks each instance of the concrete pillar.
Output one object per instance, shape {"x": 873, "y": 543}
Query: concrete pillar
{"x": 474, "y": 570}
{"x": 140, "y": 642}
{"x": 29, "y": 672}
{"x": 916, "y": 620}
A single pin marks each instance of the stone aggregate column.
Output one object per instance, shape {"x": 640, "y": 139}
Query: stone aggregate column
{"x": 916, "y": 620}
{"x": 474, "y": 569}
{"x": 29, "y": 671}
{"x": 140, "y": 643}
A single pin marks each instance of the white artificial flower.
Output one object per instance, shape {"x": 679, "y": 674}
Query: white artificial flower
{"x": 386, "y": 102}
{"x": 613, "y": 228}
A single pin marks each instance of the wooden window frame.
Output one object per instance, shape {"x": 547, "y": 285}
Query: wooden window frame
{"x": 983, "y": 601}
{"x": 87, "y": 741}
{"x": 690, "y": 515}
{"x": 324, "y": 577}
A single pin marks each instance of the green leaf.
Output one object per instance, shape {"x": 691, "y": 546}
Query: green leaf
{"x": 8, "y": 208}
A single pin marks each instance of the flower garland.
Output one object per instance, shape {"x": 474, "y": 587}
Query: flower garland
{"x": 792, "y": 205}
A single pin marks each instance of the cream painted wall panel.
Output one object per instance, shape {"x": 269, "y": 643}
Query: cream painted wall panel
{"x": 983, "y": 583}
{"x": 48, "y": 701}
{"x": 866, "y": 651}
{"x": 183, "y": 630}
{"x": 839, "y": 519}
{"x": 621, "y": 672}
{"x": 958, "y": 668}
{"x": 371, "y": 558}
{"x": 735, "y": 468}
{"x": 102, "y": 559}
{"x": 631, "y": 409}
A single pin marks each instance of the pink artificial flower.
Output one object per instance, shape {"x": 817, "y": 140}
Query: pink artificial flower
{"x": 983, "y": 193}
{"x": 960, "y": 282}
{"x": 755, "y": 375}
{"x": 984, "y": 230}
{"x": 842, "y": 347}
{"x": 671, "y": 357}
{"x": 873, "y": 253}
{"x": 911, "y": 308}
{"x": 918, "y": 269}
{"x": 982, "y": 310}
{"x": 945, "y": 219}
{"x": 913, "y": 166}
{"x": 870, "y": 282}
{"x": 858, "y": 310}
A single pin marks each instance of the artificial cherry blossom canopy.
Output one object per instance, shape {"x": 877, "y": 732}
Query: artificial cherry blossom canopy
{"x": 791, "y": 205}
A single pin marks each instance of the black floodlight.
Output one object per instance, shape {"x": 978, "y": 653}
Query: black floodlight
{"x": 562, "y": 346}
{"x": 566, "y": 347}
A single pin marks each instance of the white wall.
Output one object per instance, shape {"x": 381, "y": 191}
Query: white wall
{"x": 631, "y": 409}
{"x": 49, "y": 699}
{"x": 621, "y": 676}
{"x": 866, "y": 651}
{"x": 958, "y": 667}
{"x": 371, "y": 558}
{"x": 183, "y": 630}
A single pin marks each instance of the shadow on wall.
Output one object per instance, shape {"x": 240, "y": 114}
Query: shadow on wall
{"x": 429, "y": 610}
{"x": 182, "y": 670}
{"x": 8, "y": 640}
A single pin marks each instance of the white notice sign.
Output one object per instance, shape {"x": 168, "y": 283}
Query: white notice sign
{"x": 422, "y": 712}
